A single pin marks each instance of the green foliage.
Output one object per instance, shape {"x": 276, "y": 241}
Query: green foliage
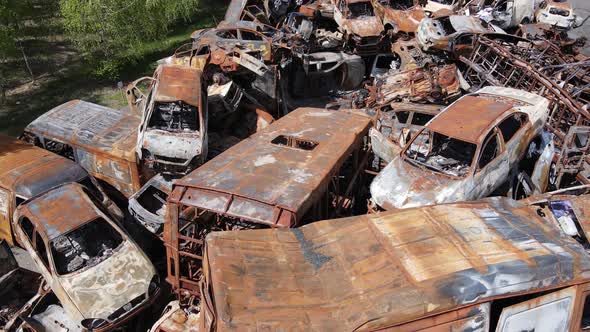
{"x": 12, "y": 15}
{"x": 108, "y": 31}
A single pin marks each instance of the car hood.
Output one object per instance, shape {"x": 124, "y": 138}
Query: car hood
{"x": 182, "y": 145}
{"x": 365, "y": 27}
{"x": 99, "y": 291}
{"x": 401, "y": 185}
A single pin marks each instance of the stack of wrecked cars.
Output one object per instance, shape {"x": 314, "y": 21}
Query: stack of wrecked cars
{"x": 316, "y": 165}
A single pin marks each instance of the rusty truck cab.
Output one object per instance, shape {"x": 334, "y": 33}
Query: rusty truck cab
{"x": 304, "y": 167}
{"x": 26, "y": 171}
{"x": 490, "y": 265}
{"x": 100, "y": 139}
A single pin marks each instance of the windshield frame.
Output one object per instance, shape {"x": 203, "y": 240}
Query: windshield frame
{"x": 87, "y": 267}
{"x": 420, "y": 165}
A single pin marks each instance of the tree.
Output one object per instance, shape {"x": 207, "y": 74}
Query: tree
{"x": 12, "y": 16}
{"x": 107, "y": 31}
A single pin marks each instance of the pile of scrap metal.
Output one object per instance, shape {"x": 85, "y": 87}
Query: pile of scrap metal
{"x": 404, "y": 118}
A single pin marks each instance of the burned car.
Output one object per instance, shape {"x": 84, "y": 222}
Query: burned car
{"x": 443, "y": 6}
{"x": 97, "y": 272}
{"x": 441, "y": 33}
{"x": 464, "y": 153}
{"x": 511, "y": 13}
{"x": 558, "y": 13}
{"x": 363, "y": 30}
{"x": 489, "y": 265}
{"x": 399, "y": 16}
{"x": 27, "y": 171}
{"x": 172, "y": 135}
{"x": 148, "y": 205}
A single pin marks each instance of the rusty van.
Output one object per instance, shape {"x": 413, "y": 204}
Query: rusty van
{"x": 100, "y": 139}
{"x": 490, "y": 265}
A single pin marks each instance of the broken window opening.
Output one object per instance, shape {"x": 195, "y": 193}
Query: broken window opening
{"x": 420, "y": 119}
{"x": 175, "y": 116}
{"x": 294, "y": 142}
{"x": 490, "y": 150}
{"x": 59, "y": 148}
{"x": 84, "y": 247}
{"x": 41, "y": 249}
{"x": 360, "y": 9}
{"x": 228, "y": 34}
{"x": 248, "y": 35}
{"x": 512, "y": 125}
{"x": 153, "y": 200}
{"x": 446, "y": 25}
{"x": 27, "y": 226}
{"x": 402, "y": 117}
{"x": 559, "y": 11}
{"x": 440, "y": 153}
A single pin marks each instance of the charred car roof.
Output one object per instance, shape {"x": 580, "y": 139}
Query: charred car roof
{"x": 92, "y": 127}
{"x": 261, "y": 176}
{"x": 47, "y": 211}
{"x": 178, "y": 83}
{"x": 381, "y": 270}
{"x": 28, "y": 170}
{"x": 471, "y": 117}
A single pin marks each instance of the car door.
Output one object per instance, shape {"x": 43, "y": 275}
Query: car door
{"x": 492, "y": 166}
{"x": 514, "y": 129}
{"x": 5, "y": 213}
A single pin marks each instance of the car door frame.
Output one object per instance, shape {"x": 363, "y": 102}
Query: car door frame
{"x": 479, "y": 188}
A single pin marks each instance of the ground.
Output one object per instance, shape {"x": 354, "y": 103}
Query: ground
{"x": 61, "y": 75}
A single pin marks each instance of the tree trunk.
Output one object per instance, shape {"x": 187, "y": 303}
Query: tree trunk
{"x": 22, "y": 49}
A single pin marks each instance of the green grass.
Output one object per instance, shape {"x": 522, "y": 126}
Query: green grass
{"x": 64, "y": 75}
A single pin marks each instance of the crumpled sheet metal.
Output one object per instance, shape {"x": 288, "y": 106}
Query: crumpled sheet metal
{"x": 432, "y": 84}
{"x": 376, "y": 271}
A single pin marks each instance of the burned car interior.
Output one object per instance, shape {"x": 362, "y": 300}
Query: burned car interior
{"x": 316, "y": 165}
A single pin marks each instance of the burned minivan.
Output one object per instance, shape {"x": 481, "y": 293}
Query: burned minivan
{"x": 466, "y": 152}
{"x": 27, "y": 171}
{"x": 172, "y": 135}
{"x": 490, "y": 265}
{"x": 304, "y": 167}
{"x": 98, "y": 273}
{"x": 100, "y": 139}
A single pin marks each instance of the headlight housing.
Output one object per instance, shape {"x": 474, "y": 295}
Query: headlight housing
{"x": 93, "y": 323}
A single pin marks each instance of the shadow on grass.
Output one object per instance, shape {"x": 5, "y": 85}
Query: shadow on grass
{"x": 76, "y": 83}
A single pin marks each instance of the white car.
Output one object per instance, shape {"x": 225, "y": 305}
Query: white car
{"x": 465, "y": 152}
{"x": 557, "y": 13}
{"x": 99, "y": 275}
{"x": 172, "y": 135}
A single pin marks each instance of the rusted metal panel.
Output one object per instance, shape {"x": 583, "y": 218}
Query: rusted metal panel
{"x": 178, "y": 83}
{"x": 262, "y": 175}
{"x": 392, "y": 271}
